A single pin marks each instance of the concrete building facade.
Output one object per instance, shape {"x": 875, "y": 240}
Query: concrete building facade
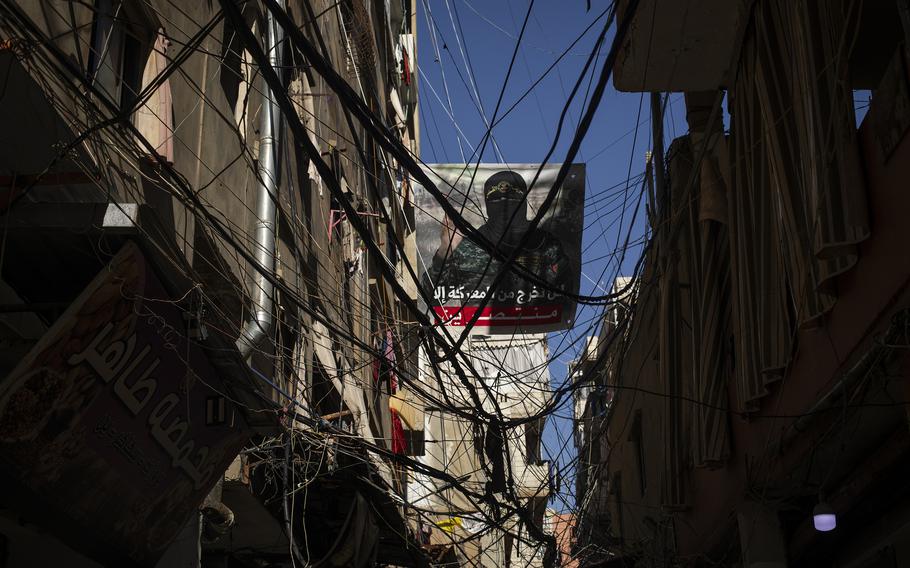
{"x": 509, "y": 464}
{"x": 764, "y": 368}
{"x": 202, "y": 238}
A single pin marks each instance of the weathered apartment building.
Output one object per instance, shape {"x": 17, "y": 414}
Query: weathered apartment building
{"x": 200, "y": 247}
{"x": 592, "y": 371}
{"x": 759, "y": 378}
{"x": 465, "y": 530}
{"x": 562, "y": 527}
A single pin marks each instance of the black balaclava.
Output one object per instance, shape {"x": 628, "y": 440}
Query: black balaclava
{"x": 507, "y": 210}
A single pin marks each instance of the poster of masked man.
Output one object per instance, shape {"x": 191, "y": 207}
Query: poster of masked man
{"x": 499, "y": 201}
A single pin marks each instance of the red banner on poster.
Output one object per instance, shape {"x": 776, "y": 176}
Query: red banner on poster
{"x": 510, "y": 316}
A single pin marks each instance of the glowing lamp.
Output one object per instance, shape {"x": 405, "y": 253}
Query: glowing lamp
{"x": 823, "y": 517}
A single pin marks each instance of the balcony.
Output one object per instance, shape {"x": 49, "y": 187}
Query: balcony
{"x": 533, "y": 480}
{"x": 679, "y": 45}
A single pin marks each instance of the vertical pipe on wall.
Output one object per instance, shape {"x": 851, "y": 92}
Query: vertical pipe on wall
{"x": 258, "y": 327}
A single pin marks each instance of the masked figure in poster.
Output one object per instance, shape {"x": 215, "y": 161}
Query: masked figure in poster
{"x": 463, "y": 271}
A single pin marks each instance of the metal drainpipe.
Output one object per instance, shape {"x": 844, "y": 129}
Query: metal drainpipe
{"x": 258, "y": 327}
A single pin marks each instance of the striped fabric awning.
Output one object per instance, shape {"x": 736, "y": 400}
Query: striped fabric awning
{"x": 675, "y": 335}
{"x": 710, "y": 259}
{"x": 797, "y": 201}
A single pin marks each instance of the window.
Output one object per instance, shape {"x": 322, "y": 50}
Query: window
{"x": 122, "y": 36}
{"x": 105, "y": 57}
{"x": 532, "y": 443}
{"x": 154, "y": 118}
{"x": 635, "y": 437}
{"x": 236, "y": 76}
{"x": 600, "y": 400}
{"x": 617, "y": 495}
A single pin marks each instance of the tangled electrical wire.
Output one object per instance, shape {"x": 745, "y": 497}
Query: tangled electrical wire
{"x": 107, "y": 133}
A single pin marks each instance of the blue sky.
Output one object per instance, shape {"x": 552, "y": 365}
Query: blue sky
{"x": 480, "y": 37}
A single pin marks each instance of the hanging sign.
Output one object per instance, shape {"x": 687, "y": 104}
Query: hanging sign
{"x": 116, "y": 420}
{"x": 500, "y": 201}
